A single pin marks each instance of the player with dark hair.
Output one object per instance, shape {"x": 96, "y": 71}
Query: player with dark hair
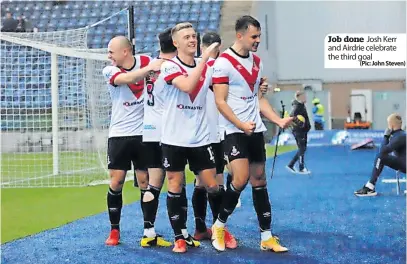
{"x": 236, "y": 80}
{"x": 300, "y": 133}
{"x": 392, "y": 154}
{"x": 199, "y": 197}
{"x": 153, "y": 110}
{"x": 125, "y": 79}
{"x": 185, "y": 136}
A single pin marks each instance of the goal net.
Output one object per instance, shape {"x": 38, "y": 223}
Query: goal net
{"x": 55, "y": 109}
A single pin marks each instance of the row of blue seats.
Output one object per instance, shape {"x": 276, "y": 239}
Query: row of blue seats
{"x": 142, "y": 19}
{"x": 21, "y": 5}
{"x": 108, "y": 12}
{"x": 141, "y": 26}
{"x": 104, "y": 12}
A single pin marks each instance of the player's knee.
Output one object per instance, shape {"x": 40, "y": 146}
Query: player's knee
{"x": 156, "y": 177}
{"x": 175, "y": 181}
{"x": 142, "y": 179}
{"x": 239, "y": 183}
{"x": 199, "y": 184}
{"x": 212, "y": 188}
{"x": 258, "y": 180}
{"x": 117, "y": 179}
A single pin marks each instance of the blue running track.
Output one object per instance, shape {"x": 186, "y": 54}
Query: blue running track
{"x": 317, "y": 217}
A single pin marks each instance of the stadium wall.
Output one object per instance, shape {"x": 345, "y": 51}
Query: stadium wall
{"x": 293, "y": 36}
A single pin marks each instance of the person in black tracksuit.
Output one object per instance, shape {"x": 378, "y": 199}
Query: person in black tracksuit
{"x": 392, "y": 153}
{"x": 300, "y": 132}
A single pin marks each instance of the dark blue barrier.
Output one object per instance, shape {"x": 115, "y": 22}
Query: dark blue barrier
{"x": 332, "y": 137}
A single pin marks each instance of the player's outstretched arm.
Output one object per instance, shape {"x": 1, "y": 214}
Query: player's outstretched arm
{"x": 137, "y": 75}
{"x": 268, "y": 112}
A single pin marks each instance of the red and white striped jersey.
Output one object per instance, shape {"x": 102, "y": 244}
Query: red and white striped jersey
{"x": 243, "y": 75}
{"x": 185, "y": 122}
{"x": 127, "y": 100}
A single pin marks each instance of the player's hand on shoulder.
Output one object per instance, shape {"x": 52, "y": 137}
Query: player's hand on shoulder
{"x": 206, "y": 54}
{"x": 156, "y": 65}
{"x": 248, "y": 127}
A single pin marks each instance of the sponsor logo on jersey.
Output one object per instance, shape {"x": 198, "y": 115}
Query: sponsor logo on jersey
{"x": 150, "y": 127}
{"x": 133, "y": 103}
{"x": 249, "y": 98}
{"x": 189, "y": 107}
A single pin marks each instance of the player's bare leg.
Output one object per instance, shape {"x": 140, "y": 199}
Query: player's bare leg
{"x": 115, "y": 204}
{"x": 150, "y": 201}
{"x": 262, "y": 207}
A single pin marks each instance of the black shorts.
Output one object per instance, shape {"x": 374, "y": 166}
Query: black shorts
{"x": 153, "y": 155}
{"x": 199, "y": 158}
{"x": 219, "y": 157}
{"x": 122, "y": 151}
{"x": 242, "y": 146}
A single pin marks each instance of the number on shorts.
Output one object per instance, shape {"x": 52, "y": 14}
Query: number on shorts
{"x": 211, "y": 157}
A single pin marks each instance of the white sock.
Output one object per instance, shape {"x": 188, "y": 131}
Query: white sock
{"x": 370, "y": 186}
{"x": 266, "y": 235}
{"x": 150, "y": 232}
{"x": 219, "y": 223}
{"x": 185, "y": 233}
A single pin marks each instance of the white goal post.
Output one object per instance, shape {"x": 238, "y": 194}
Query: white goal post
{"x": 55, "y": 109}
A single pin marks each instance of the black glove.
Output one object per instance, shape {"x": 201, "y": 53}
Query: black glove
{"x": 387, "y": 132}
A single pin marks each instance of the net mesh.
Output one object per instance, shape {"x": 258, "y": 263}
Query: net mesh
{"x": 28, "y": 157}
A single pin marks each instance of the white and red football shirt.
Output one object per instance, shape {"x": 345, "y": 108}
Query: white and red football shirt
{"x": 127, "y": 100}
{"x": 243, "y": 75}
{"x": 185, "y": 122}
{"x": 153, "y": 107}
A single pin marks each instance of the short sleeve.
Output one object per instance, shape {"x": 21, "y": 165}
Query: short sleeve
{"x": 110, "y": 73}
{"x": 170, "y": 71}
{"x": 221, "y": 72}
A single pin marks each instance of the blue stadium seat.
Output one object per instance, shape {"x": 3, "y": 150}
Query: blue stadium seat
{"x": 161, "y": 27}
{"x": 193, "y": 17}
{"x": 152, "y": 19}
{"x": 174, "y": 18}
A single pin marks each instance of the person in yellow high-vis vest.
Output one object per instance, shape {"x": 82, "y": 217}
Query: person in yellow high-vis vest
{"x": 318, "y": 112}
